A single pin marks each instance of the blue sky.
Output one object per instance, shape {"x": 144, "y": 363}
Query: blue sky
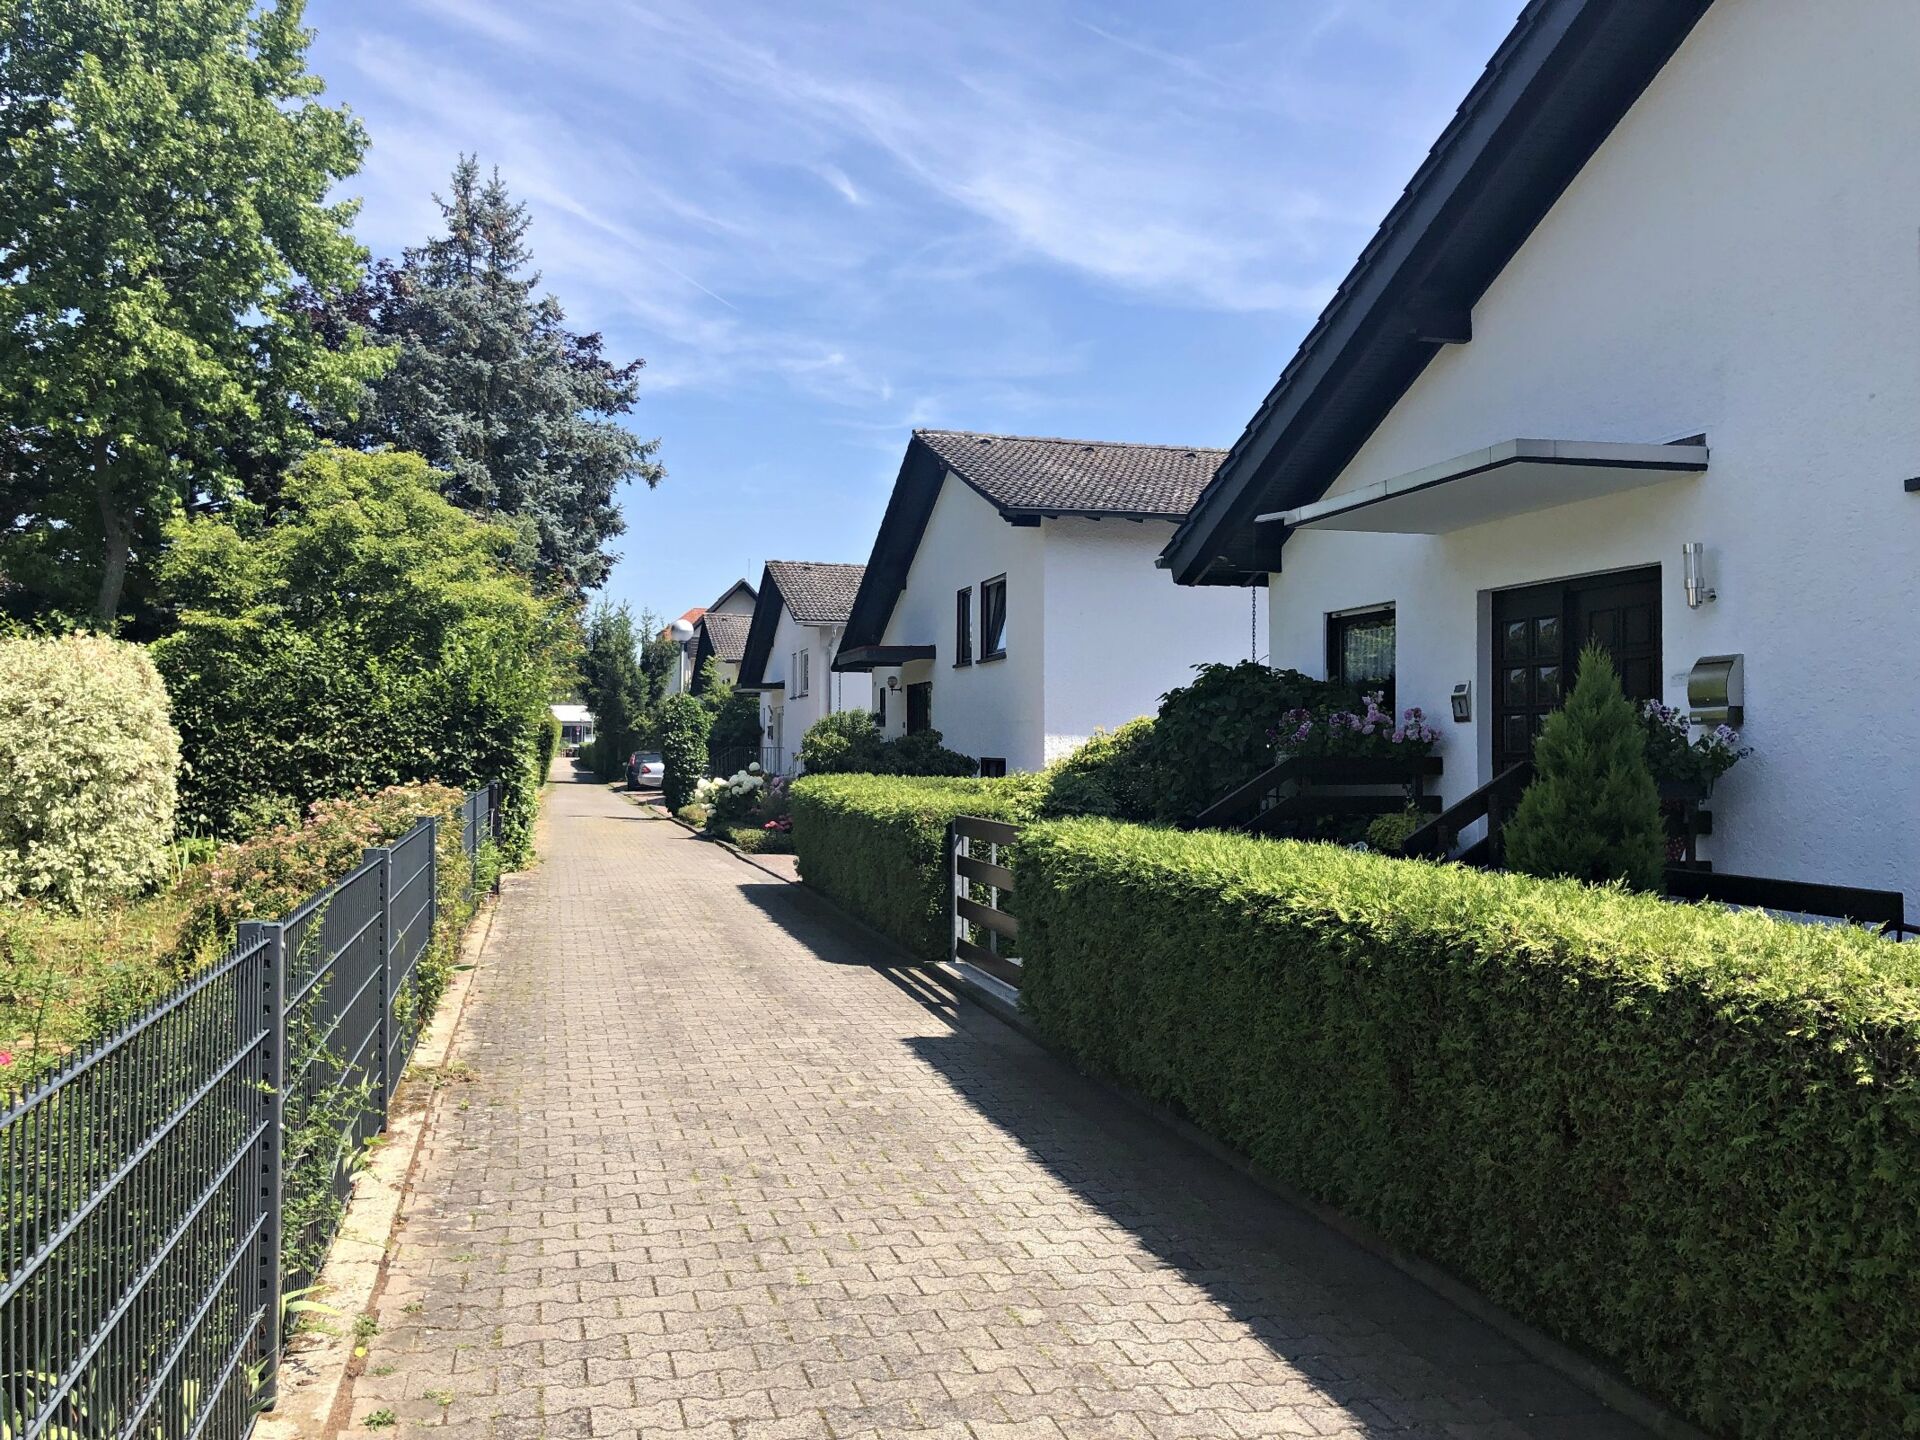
{"x": 824, "y": 224}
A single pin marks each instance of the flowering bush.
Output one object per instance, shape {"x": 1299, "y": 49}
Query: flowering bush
{"x": 1674, "y": 755}
{"x": 1369, "y": 731}
{"x": 732, "y": 800}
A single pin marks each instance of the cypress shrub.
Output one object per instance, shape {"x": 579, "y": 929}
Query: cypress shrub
{"x": 876, "y": 845}
{"x": 1592, "y": 812}
{"x": 684, "y": 723}
{"x": 1679, "y": 1137}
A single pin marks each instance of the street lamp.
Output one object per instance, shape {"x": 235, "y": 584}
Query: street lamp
{"x": 681, "y": 632}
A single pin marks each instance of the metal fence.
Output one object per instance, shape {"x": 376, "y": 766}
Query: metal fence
{"x": 162, "y": 1189}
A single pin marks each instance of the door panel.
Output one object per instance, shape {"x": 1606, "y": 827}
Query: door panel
{"x": 1538, "y": 634}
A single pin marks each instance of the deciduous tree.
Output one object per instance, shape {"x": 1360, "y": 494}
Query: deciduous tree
{"x": 164, "y": 173}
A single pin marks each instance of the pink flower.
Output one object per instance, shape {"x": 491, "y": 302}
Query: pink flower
{"x": 6, "y": 1057}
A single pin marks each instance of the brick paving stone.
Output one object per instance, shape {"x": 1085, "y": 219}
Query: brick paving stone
{"x": 717, "y": 1170}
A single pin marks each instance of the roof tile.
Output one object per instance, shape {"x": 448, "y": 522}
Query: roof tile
{"x": 817, "y": 592}
{"x": 1083, "y": 477}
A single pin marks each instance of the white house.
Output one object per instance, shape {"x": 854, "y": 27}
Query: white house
{"x": 719, "y": 631}
{"x": 790, "y": 644}
{"x": 575, "y": 721}
{"x": 1657, "y": 285}
{"x": 1011, "y": 600}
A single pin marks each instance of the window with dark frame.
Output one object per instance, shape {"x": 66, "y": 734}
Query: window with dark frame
{"x": 1360, "y": 653}
{"x": 963, "y": 626}
{"x": 993, "y": 618}
{"x": 993, "y": 767}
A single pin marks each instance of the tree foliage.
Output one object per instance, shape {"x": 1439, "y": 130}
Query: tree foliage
{"x": 491, "y": 386}
{"x": 613, "y": 686}
{"x": 1214, "y": 734}
{"x": 683, "y": 724}
{"x": 370, "y": 636}
{"x": 1593, "y": 810}
{"x": 164, "y": 173}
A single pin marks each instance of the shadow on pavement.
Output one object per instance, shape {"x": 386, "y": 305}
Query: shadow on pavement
{"x": 1348, "y": 1321}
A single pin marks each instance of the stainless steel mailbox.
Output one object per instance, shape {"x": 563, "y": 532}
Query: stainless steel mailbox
{"x": 1716, "y": 690}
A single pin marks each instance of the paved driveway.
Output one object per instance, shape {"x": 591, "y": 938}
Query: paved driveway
{"x": 714, "y": 1171}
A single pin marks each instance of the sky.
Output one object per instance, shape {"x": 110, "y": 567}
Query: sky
{"x": 825, "y": 224}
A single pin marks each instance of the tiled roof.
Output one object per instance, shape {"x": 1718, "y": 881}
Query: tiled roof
{"x": 1077, "y": 477}
{"x": 727, "y": 633}
{"x": 816, "y": 591}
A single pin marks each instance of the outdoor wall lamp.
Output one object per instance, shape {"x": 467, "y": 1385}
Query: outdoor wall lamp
{"x": 1693, "y": 565}
{"x": 1463, "y": 701}
{"x": 893, "y": 682}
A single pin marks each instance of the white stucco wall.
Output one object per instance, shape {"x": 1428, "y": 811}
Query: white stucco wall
{"x": 1741, "y": 258}
{"x": 991, "y": 707}
{"x": 827, "y": 693}
{"x": 1095, "y": 634}
{"x": 1120, "y": 633}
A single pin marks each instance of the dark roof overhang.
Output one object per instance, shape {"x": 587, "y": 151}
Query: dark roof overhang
{"x": 874, "y": 657}
{"x": 1553, "y": 92}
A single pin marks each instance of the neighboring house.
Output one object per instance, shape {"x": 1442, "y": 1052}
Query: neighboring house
{"x": 1011, "y": 600}
{"x": 1674, "y": 242}
{"x": 736, "y": 602}
{"x": 797, "y": 623}
{"x": 721, "y": 636}
{"x": 576, "y": 723}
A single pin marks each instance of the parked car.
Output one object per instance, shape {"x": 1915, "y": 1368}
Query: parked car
{"x": 646, "y": 770}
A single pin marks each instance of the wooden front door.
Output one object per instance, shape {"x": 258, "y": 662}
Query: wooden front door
{"x": 919, "y": 707}
{"x": 1538, "y": 634}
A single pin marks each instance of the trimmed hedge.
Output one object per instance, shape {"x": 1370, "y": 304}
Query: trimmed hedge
{"x": 1685, "y": 1139}
{"x": 876, "y": 844}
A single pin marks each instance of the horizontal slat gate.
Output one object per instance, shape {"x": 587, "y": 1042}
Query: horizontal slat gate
{"x": 985, "y": 935}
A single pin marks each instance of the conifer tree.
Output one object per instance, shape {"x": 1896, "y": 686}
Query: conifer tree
{"x": 493, "y": 388}
{"x": 1593, "y": 810}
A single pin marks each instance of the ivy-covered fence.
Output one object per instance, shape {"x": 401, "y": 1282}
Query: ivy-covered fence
{"x": 165, "y": 1187}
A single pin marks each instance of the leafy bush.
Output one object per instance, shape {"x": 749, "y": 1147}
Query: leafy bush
{"x": 1113, "y": 774}
{"x": 736, "y": 728}
{"x": 372, "y": 635}
{"x": 65, "y": 978}
{"x": 683, "y": 722}
{"x": 923, "y": 754}
{"x": 87, "y": 793}
{"x": 849, "y": 743}
{"x": 876, "y": 844}
{"x": 546, "y": 746}
{"x": 845, "y": 743}
{"x": 1390, "y": 833}
{"x": 1592, "y": 811}
{"x": 1214, "y": 734}
{"x": 1680, "y": 1137}
{"x": 759, "y": 840}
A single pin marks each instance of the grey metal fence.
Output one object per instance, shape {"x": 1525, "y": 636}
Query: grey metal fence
{"x": 162, "y": 1189}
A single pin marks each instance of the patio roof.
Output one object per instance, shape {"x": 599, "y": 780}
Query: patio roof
{"x": 1511, "y": 478}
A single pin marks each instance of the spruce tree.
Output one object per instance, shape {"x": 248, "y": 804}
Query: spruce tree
{"x": 493, "y": 388}
{"x": 1593, "y": 810}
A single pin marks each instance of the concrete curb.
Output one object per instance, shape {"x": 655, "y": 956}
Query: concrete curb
{"x": 1593, "y": 1376}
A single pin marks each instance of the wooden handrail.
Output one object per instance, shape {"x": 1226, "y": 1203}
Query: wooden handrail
{"x": 1434, "y": 840}
{"x": 1241, "y": 803}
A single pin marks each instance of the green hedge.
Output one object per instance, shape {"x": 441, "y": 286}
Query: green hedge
{"x": 684, "y": 723}
{"x": 1681, "y": 1138}
{"x": 875, "y": 844}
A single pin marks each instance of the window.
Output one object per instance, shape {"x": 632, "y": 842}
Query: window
{"x": 993, "y": 767}
{"x": 963, "y": 627}
{"x": 880, "y": 719}
{"x": 1360, "y": 653}
{"x": 799, "y": 672}
{"x": 993, "y": 618}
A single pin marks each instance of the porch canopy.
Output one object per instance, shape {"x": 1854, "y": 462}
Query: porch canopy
{"x": 1511, "y": 478}
{"x": 875, "y": 657}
